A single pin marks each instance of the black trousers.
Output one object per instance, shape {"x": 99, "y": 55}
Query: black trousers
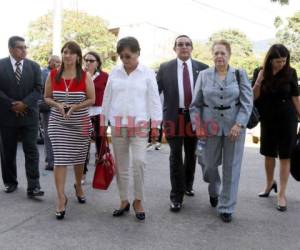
{"x": 8, "y": 148}
{"x": 96, "y": 137}
{"x": 160, "y": 130}
{"x": 182, "y": 169}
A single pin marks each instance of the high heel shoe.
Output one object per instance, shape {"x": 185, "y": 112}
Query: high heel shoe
{"x": 281, "y": 208}
{"x": 61, "y": 214}
{"x": 121, "y": 211}
{"x": 139, "y": 215}
{"x": 266, "y": 194}
{"x": 80, "y": 199}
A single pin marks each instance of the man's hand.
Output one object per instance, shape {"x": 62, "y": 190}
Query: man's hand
{"x": 19, "y": 107}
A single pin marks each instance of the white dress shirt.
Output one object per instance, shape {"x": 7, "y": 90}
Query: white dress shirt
{"x": 95, "y": 110}
{"x": 13, "y": 63}
{"x": 180, "y": 79}
{"x": 134, "y": 96}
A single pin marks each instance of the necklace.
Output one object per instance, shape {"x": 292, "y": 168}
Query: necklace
{"x": 67, "y": 87}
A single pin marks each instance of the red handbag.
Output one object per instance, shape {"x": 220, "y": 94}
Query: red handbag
{"x": 105, "y": 168}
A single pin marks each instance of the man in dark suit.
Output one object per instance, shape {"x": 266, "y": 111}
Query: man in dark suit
{"x": 20, "y": 89}
{"x": 176, "y": 79}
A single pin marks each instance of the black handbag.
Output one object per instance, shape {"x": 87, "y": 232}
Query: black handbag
{"x": 254, "y": 117}
{"x": 295, "y": 160}
{"x": 44, "y": 107}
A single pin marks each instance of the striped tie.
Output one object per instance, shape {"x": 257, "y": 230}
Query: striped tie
{"x": 18, "y": 72}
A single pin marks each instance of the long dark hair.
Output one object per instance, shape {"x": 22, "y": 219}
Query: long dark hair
{"x": 75, "y": 49}
{"x": 276, "y": 51}
{"x": 98, "y": 59}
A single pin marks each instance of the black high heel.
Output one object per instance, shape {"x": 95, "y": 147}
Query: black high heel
{"x": 266, "y": 194}
{"x": 61, "y": 214}
{"x": 281, "y": 208}
{"x": 139, "y": 215}
{"x": 80, "y": 199}
{"x": 121, "y": 211}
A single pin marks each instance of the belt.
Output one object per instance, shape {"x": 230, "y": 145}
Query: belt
{"x": 221, "y": 107}
{"x": 183, "y": 110}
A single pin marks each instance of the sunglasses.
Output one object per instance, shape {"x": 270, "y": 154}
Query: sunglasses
{"x": 125, "y": 56}
{"x": 89, "y": 60}
{"x": 184, "y": 44}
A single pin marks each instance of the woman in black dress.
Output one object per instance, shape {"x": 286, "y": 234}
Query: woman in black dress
{"x": 277, "y": 99}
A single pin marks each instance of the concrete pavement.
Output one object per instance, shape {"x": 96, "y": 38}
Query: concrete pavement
{"x": 31, "y": 224}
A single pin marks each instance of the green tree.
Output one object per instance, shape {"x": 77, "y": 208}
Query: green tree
{"x": 240, "y": 44}
{"x": 289, "y": 34}
{"x": 242, "y": 50}
{"x": 202, "y": 52}
{"x": 90, "y": 32}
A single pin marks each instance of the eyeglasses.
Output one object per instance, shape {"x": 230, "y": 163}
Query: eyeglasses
{"x": 89, "y": 60}
{"x": 125, "y": 56}
{"x": 21, "y": 47}
{"x": 184, "y": 44}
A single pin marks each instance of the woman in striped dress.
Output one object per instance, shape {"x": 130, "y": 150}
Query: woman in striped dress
{"x": 69, "y": 91}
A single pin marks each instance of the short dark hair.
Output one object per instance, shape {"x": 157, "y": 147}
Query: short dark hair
{"x": 276, "y": 51}
{"x": 175, "y": 42}
{"x": 128, "y": 42}
{"x": 13, "y": 40}
{"x": 98, "y": 58}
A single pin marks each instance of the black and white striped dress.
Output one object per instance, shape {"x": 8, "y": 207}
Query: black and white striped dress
{"x": 69, "y": 137}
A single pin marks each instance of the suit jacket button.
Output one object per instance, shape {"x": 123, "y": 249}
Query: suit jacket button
{"x": 221, "y": 97}
{"x": 222, "y": 115}
{"x": 221, "y": 88}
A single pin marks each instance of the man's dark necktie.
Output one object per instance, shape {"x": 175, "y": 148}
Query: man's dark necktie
{"x": 186, "y": 86}
{"x": 18, "y": 72}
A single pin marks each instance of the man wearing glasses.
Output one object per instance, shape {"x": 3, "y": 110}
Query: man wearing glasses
{"x": 20, "y": 89}
{"x": 176, "y": 80}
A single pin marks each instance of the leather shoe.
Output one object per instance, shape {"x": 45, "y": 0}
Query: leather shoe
{"x": 81, "y": 199}
{"x": 281, "y": 208}
{"x": 175, "y": 206}
{"x": 213, "y": 201}
{"x": 121, "y": 211}
{"x": 139, "y": 215}
{"x": 226, "y": 217}
{"x": 36, "y": 192}
{"x": 189, "y": 192}
{"x": 267, "y": 193}
{"x": 10, "y": 188}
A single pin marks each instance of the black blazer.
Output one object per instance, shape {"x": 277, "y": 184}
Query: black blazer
{"x": 168, "y": 84}
{"x": 28, "y": 91}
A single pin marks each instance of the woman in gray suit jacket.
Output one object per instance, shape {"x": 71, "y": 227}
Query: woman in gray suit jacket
{"x": 221, "y": 107}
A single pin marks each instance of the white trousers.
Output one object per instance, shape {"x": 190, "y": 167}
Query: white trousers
{"x": 129, "y": 150}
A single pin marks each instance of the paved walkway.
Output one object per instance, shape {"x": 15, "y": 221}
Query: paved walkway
{"x": 31, "y": 224}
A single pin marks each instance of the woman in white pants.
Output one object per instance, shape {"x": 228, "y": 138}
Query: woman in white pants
{"x": 131, "y": 98}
